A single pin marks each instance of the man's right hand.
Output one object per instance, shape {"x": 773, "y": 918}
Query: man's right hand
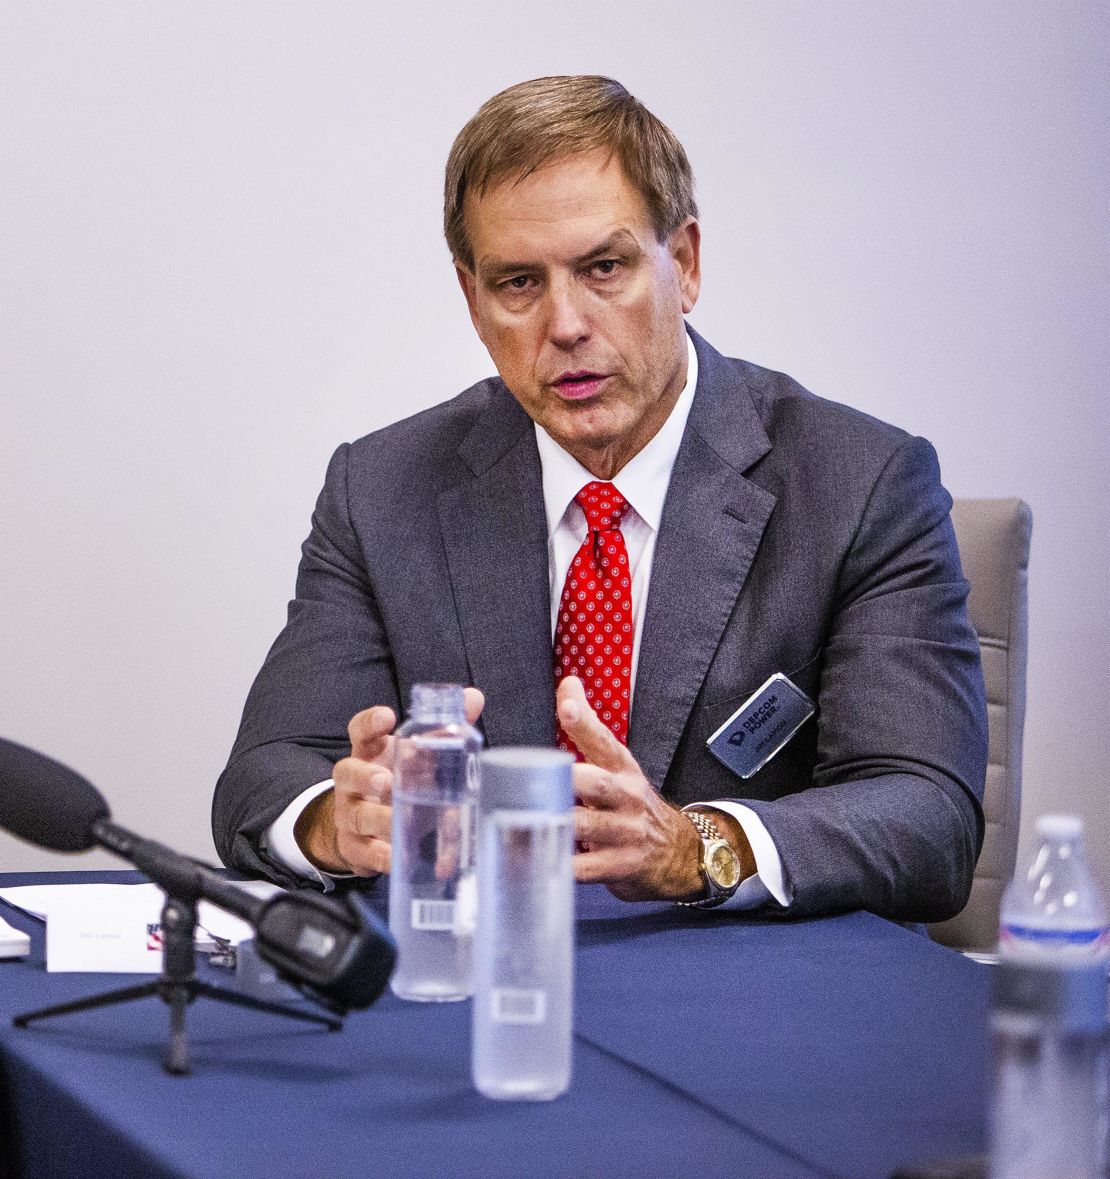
{"x": 346, "y": 829}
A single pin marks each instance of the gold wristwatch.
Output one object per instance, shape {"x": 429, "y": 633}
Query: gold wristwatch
{"x": 718, "y": 863}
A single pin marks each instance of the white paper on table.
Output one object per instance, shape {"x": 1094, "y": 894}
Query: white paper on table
{"x": 14, "y": 943}
{"x": 117, "y": 927}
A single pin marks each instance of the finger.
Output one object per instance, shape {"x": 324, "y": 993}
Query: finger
{"x": 362, "y": 779}
{"x": 596, "y": 830}
{"x": 365, "y": 856}
{"x": 448, "y": 844}
{"x": 598, "y": 788}
{"x": 381, "y": 784}
{"x": 473, "y": 702}
{"x": 605, "y": 866}
{"x": 362, "y": 826}
{"x": 368, "y": 820}
{"x": 369, "y": 732}
{"x": 594, "y": 741}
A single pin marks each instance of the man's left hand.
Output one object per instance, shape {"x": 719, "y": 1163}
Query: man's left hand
{"x": 639, "y": 845}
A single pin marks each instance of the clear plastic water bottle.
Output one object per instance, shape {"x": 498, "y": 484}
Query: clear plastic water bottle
{"x": 1053, "y": 907}
{"x": 524, "y": 950}
{"x": 432, "y": 887}
{"x": 1049, "y": 1015}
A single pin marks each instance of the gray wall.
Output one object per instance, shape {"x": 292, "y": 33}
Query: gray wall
{"x": 220, "y": 256}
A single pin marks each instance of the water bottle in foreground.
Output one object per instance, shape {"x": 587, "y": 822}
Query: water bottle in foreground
{"x": 432, "y": 887}
{"x": 524, "y": 950}
{"x": 1051, "y": 1109}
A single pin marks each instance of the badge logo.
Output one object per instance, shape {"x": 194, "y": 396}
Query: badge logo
{"x": 761, "y": 726}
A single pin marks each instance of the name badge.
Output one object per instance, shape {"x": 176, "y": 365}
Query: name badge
{"x": 761, "y": 726}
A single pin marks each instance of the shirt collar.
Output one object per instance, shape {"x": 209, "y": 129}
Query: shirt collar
{"x": 643, "y": 480}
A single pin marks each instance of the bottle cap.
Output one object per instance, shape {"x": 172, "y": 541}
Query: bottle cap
{"x": 1059, "y": 826}
{"x": 526, "y": 779}
{"x": 437, "y": 702}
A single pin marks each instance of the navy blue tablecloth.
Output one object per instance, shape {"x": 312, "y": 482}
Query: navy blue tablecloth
{"x": 852, "y": 1044}
{"x": 705, "y": 1045}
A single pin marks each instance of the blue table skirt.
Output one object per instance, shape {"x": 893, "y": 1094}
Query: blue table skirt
{"x": 705, "y": 1045}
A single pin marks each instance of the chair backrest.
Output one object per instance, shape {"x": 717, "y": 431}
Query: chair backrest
{"x": 993, "y": 535}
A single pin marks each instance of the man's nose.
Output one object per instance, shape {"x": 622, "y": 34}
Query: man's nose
{"x": 567, "y": 324}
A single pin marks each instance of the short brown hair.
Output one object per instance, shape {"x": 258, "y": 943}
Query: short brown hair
{"x": 547, "y": 119}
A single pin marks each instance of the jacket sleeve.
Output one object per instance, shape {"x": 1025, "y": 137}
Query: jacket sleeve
{"x": 331, "y": 660}
{"x": 893, "y": 822}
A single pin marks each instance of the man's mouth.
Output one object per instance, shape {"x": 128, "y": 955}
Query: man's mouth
{"x": 575, "y": 386}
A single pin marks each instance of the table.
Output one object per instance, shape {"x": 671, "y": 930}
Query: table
{"x": 706, "y": 1045}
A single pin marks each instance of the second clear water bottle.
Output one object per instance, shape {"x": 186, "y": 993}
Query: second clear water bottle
{"x": 432, "y": 888}
{"x": 524, "y": 951}
{"x": 1050, "y": 1107}
{"x": 1053, "y": 909}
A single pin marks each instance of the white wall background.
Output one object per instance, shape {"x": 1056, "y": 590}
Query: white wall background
{"x": 220, "y": 256}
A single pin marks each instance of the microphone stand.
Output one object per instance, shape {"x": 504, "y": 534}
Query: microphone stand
{"x": 177, "y": 986}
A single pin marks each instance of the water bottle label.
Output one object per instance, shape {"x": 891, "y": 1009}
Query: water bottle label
{"x": 435, "y": 916}
{"x": 517, "y": 1005}
{"x": 1062, "y": 938}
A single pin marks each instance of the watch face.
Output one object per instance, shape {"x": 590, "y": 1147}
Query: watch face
{"x": 723, "y": 866}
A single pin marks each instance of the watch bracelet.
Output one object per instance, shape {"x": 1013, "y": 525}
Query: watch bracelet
{"x": 706, "y": 829}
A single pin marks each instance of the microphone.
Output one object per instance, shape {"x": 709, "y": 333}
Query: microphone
{"x": 340, "y": 951}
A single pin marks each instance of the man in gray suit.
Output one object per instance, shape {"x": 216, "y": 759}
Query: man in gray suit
{"x": 749, "y": 528}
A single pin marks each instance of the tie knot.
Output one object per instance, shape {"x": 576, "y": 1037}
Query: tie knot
{"x": 603, "y": 504}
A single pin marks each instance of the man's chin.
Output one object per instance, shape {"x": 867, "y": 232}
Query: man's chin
{"x": 601, "y": 452}
{"x": 581, "y": 428}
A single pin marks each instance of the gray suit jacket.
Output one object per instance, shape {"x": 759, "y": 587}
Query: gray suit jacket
{"x": 797, "y": 535}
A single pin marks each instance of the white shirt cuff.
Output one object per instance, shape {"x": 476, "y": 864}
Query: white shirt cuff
{"x": 768, "y": 882}
{"x": 278, "y": 839}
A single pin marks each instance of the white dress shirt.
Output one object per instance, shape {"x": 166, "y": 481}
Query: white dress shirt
{"x": 643, "y": 482}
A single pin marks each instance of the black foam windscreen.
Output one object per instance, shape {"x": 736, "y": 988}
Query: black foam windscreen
{"x": 45, "y": 802}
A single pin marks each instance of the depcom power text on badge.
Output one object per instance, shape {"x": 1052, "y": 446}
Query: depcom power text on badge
{"x": 761, "y": 726}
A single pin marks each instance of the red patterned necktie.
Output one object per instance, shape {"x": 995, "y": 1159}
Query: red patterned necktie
{"x": 593, "y": 634}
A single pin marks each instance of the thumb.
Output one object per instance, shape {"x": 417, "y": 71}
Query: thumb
{"x": 369, "y": 730}
{"x": 583, "y": 726}
{"x": 473, "y": 702}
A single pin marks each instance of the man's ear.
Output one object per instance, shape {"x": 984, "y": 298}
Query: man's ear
{"x": 685, "y": 247}
{"x": 469, "y": 286}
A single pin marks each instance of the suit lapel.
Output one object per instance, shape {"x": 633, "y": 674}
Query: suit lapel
{"x": 495, "y": 536}
{"x": 713, "y": 520}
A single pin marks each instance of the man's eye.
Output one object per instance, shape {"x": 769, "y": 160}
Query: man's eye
{"x": 606, "y": 267}
{"x": 519, "y": 282}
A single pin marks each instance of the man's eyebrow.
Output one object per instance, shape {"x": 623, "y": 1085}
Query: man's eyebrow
{"x": 621, "y": 241}
{"x": 494, "y": 268}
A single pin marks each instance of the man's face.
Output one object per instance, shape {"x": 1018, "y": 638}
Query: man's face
{"x": 581, "y": 306}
